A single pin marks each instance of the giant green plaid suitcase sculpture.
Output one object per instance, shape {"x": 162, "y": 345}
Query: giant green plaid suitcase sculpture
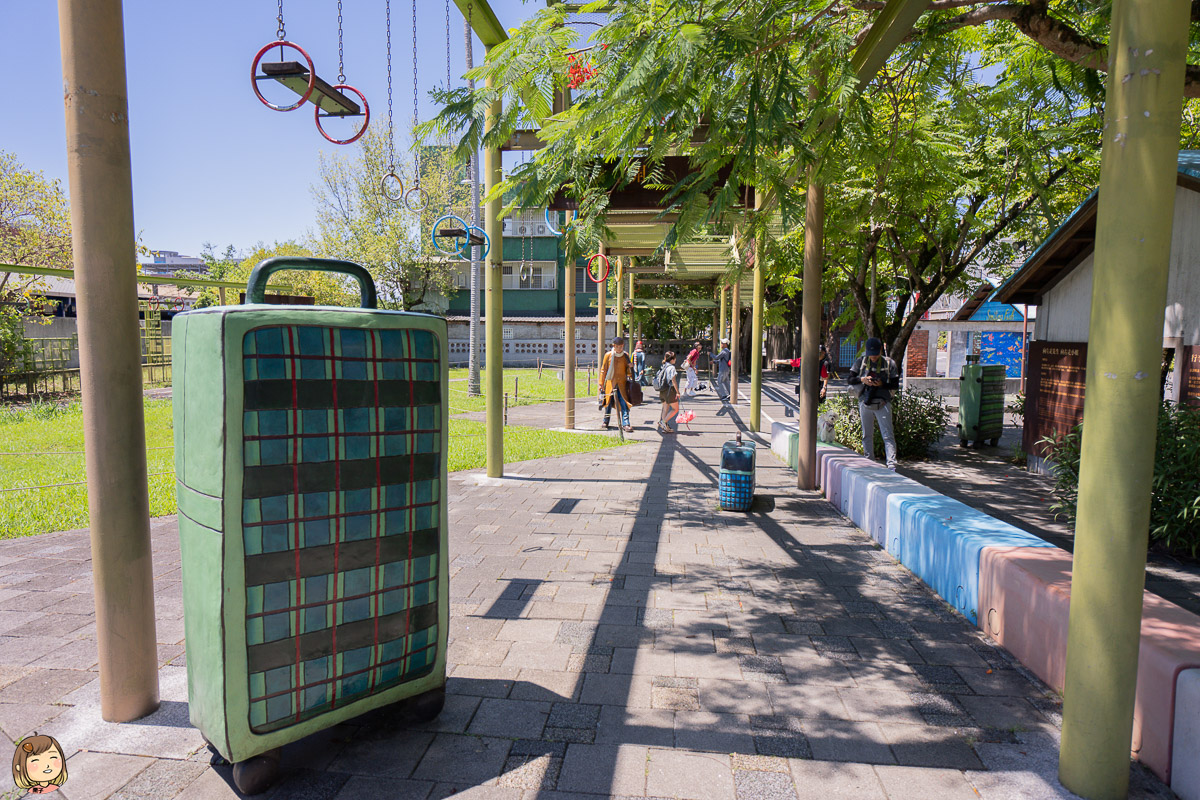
{"x": 311, "y": 466}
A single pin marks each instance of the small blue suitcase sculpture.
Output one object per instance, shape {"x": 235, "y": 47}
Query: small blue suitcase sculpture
{"x": 736, "y": 486}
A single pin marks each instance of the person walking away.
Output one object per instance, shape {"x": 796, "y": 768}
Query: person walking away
{"x": 666, "y": 380}
{"x": 616, "y": 369}
{"x": 823, "y": 370}
{"x": 639, "y": 364}
{"x": 876, "y": 377}
{"x": 693, "y": 381}
{"x": 724, "y": 359}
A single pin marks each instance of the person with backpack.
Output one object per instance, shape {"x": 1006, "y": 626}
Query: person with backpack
{"x": 875, "y": 377}
{"x": 666, "y": 381}
{"x": 639, "y": 364}
{"x": 616, "y": 368}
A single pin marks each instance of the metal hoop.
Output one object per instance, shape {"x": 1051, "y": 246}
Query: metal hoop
{"x": 366, "y": 113}
{"x": 607, "y": 268}
{"x": 458, "y": 251}
{"x": 487, "y": 241}
{"x": 526, "y": 272}
{"x": 552, "y": 229}
{"x": 312, "y": 75}
{"x": 422, "y": 200}
{"x": 384, "y": 183}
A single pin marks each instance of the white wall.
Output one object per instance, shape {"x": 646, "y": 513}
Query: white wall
{"x": 1065, "y": 313}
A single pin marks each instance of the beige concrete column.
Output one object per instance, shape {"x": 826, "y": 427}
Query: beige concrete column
{"x": 494, "y": 302}
{"x": 621, "y": 297}
{"x": 756, "y": 334}
{"x": 735, "y": 337}
{"x": 92, "y": 37}
{"x": 601, "y": 316}
{"x": 810, "y": 332}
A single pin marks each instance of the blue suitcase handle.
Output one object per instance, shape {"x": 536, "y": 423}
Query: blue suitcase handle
{"x": 256, "y": 287}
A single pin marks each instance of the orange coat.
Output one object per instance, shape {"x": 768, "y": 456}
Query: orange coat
{"x": 622, "y": 370}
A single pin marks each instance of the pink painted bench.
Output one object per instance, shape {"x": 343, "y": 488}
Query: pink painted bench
{"x": 1025, "y": 595}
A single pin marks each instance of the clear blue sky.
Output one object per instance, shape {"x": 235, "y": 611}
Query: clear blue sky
{"x": 210, "y": 163}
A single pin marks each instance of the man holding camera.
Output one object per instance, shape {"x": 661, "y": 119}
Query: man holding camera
{"x": 875, "y": 377}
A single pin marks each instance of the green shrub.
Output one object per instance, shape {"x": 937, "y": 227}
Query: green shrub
{"x": 919, "y": 420}
{"x": 1175, "y": 501}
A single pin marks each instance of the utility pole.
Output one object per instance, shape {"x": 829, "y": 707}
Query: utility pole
{"x": 473, "y": 176}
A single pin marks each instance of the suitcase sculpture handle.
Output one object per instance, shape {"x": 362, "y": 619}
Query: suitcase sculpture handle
{"x": 256, "y": 287}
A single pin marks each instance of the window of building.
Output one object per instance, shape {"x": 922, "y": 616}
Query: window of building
{"x": 847, "y": 351}
{"x": 538, "y": 276}
{"x": 582, "y": 283}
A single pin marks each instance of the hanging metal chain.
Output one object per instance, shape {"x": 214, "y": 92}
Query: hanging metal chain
{"x": 281, "y": 31}
{"x": 387, "y": 6}
{"x": 447, "y": 45}
{"x": 341, "y": 54}
{"x": 416, "y": 115}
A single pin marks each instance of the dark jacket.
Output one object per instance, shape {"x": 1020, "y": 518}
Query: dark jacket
{"x": 885, "y": 369}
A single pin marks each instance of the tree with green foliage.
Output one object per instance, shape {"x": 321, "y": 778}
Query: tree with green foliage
{"x": 327, "y": 289}
{"x": 355, "y": 221}
{"x": 35, "y": 228}
{"x": 972, "y": 142}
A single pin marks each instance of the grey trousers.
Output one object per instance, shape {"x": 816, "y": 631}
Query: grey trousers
{"x": 723, "y": 384}
{"x": 883, "y": 416}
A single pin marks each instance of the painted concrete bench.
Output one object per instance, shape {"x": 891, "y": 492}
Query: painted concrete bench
{"x": 1185, "y": 772}
{"x": 1021, "y": 588}
{"x": 1025, "y": 596}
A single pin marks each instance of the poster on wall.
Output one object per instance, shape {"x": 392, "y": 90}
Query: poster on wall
{"x": 1053, "y": 391}
{"x": 1189, "y": 388}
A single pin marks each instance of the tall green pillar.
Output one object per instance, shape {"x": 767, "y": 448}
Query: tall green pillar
{"x": 1148, "y": 48}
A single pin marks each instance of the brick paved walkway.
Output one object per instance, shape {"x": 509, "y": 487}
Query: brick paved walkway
{"x": 643, "y": 643}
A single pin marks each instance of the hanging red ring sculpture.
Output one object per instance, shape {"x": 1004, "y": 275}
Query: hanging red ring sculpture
{"x": 366, "y": 112}
{"x": 312, "y": 75}
{"x": 607, "y": 268}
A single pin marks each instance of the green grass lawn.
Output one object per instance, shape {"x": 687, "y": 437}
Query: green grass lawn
{"x": 55, "y": 433}
{"x": 524, "y": 388}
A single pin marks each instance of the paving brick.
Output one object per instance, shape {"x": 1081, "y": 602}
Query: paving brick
{"x": 734, "y": 697}
{"x": 842, "y": 740}
{"x": 716, "y": 733}
{"x": 94, "y": 776}
{"x": 689, "y": 776}
{"x": 930, "y": 746}
{"x": 574, "y": 715}
{"x": 604, "y": 769}
{"x": 361, "y": 788}
{"x": 922, "y": 783}
{"x": 643, "y": 726}
{"x": 163, "y": 778}
{"x": 45, "y": 686}
{"x": 764, "y": 786}
{"x": 452, "y": 757}
{"x": 807, "y": 701}
{"x": 833, "y": 780}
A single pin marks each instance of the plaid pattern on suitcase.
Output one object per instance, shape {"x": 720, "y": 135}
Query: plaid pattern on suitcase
{"x": 341, "y": 427}
{"x": 735, "y": 490}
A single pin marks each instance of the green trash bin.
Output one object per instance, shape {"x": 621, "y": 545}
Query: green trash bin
{"x": 981, "y": 402}
{"x": 310, "y": 456}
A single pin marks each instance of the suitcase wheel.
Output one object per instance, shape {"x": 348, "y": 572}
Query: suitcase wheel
{"x": 256, "y": 775}
{"x": 426, "y": 707}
